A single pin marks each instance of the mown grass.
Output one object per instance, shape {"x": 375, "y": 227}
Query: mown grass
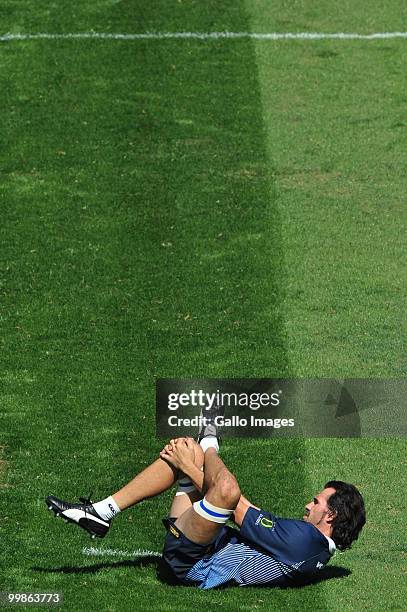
{"x": 167, "y": 210}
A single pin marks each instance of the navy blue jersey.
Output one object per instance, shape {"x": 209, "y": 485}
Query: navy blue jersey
{"x": 267, "y": 550}
{"x": 290, "y": 541}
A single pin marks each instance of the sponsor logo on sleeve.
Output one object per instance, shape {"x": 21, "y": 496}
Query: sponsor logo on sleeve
{"x": 266, "y": 522}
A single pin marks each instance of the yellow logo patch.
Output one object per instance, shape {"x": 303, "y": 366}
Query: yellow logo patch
{"x": 174, "y": 531}
{"x": 265, "y": 522}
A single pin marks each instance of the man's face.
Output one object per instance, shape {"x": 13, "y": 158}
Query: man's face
{"x": 317, "y": 511}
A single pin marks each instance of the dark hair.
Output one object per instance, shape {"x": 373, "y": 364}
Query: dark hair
{"x": 349, "y": 507}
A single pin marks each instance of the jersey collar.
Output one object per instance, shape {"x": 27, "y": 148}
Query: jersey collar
{"x": 332, "y": 545}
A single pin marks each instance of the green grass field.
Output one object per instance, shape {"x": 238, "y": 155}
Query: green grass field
{"x": 195, "y": 208}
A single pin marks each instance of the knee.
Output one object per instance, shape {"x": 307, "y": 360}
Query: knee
{"x": 227, "y": 489}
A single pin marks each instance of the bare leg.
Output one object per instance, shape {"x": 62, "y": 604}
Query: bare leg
{"x": 154, "y": 479}
{"x": 221, "y": 489}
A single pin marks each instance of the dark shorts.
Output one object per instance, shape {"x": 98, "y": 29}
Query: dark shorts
{"x": 180, "y": 554}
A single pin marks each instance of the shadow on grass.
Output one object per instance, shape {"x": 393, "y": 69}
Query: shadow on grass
{"x": 93, "y": 569}
{"x": 326, "y": 574}
{"x": 149, "y": 560}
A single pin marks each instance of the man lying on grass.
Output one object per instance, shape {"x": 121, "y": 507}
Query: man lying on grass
{"x": 200, "y": 549}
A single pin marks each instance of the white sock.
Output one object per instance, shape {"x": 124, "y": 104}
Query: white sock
{"x": 209, "y": 442}
{"x": 107, "y": 508}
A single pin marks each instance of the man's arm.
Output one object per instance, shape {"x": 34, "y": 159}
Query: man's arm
{"x": 187, "y": 467}
{"x": 241, "y": 509}
{"x": 186, "y": 458}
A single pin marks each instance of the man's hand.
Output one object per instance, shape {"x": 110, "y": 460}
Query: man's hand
{"x": 179, "y": 453}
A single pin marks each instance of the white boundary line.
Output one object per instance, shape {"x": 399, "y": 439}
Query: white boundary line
{"x": 204, "y": 36}
{"x": 109, "y": 552}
